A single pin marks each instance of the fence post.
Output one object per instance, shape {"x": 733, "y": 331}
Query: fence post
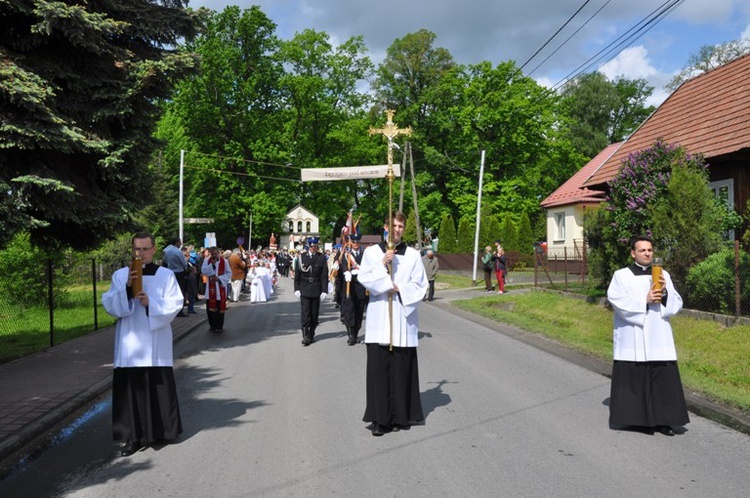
{"x": 51, "y": 303}
{"x": 565, "y": 266}
{"x": 93, "y": 282}
{"x": 737, "y": 301}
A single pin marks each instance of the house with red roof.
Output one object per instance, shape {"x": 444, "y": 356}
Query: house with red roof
{"x": 566, "y": 207}
{"x": 707, "y": 115}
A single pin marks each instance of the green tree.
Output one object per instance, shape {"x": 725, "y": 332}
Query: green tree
{"x": 489, "y": 231}
{"x": 410, "y": 230}
{"x": 660, "y": 191}
{"x": 411, "y": 69}
{"x": 465, "y": 235}
{"x": 228, "y": 119}
{"x": 508, "y": 234}
{"x": 709, "y": 57}
{"x": 447, "y": 235}
{"x": 603, "y": 111}
{"x": 688, "y": 222}
{"x": 80, "y": 88}
{"x": 525, "y": 235}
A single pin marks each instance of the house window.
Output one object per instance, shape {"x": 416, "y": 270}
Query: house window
{"x": 308, "y": 227}
{"x": 560, "y": 226}
{"x": 299, "y": 226}
{"x": 724, "y": 189}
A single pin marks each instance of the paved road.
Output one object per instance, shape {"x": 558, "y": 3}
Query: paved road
{"x": 266, "y": 417}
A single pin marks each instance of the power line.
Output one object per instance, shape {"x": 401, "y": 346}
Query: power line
{"x": 627, "y": 38}
{"x": 554, "y": 35}
{"x": 252, "y": 161}
{"x": 570, "y": 37}
{"x": 244, "y": 174}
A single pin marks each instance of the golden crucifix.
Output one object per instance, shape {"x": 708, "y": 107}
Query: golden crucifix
{"x": 390, "y": 131}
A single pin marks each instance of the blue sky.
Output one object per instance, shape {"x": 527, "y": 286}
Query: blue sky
{"x": 501, "y": 30}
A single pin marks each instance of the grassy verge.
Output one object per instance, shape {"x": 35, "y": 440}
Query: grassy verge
{"x": 25, "y": 330}
{"x": 713, "y": 359}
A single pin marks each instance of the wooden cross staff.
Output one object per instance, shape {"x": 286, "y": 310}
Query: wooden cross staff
{"x": 390, "y": 131}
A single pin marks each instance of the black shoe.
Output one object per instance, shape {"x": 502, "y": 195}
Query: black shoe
{"x": 130, "y": 447}
{"x": 665, "y": 429}
{"x": 377, "y": 429}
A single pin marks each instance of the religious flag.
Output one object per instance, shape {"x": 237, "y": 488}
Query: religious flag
{"x": 348, "y": 227}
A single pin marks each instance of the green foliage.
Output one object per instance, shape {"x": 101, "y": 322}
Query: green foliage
{"x": 660, "y": 191}
{"x": 603, "y": 111}
{"x": 489, "y": 230}
{"x": 447, "y": 235}
{"x": 709, "y": 57}
{"x": 80, "y": 85}
{"x": 688, "y": 222}
{"x": 525, "y": 235}
{"x": 410, "y": 230}
{"x": 710, "y": 284}
{"x": 508, "y": 235}
{"x": 29, "y": 269}
{"x": 465, "y": 235}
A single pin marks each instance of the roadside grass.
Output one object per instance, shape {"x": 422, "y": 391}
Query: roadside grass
{"x": 714, "y": 360}
{"x": 25, "y": 330}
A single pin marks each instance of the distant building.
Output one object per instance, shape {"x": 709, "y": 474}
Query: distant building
{"x": 300, "y": 224}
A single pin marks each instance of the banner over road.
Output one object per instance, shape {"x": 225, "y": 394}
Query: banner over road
{"x": 347, "y": 173}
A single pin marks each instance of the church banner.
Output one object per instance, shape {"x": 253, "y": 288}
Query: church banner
{"x": 347, "y": 173}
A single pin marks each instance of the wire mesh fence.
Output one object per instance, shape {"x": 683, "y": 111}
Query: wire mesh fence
{"x": 61, "y": 302}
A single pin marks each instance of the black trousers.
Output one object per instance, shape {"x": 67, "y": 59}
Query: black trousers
{"x": 310, "y": 308}
{"x": 431, "y": 292}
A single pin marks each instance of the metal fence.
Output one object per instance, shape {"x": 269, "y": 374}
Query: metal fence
{"x": 64, "y": 303}
{"x": 725, "y": 290}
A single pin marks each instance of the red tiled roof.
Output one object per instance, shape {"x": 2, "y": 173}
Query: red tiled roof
{"x": 572, "y": 191}
{"x": 709, "y": 114}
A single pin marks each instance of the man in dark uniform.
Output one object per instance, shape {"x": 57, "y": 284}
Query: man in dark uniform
{"x": 310, "y": 287}
{"x": 352, "y": 311}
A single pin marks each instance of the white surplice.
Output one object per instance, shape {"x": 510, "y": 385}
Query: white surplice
{"x": 411, "y": 279}
{"x": 143, "y": 338}
{"x": 642, "y": 331}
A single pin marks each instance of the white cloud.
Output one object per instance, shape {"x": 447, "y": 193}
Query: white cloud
{"x": 632, "y": 63}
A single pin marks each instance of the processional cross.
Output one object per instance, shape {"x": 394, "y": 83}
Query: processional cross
{"x": 390, "y": 131}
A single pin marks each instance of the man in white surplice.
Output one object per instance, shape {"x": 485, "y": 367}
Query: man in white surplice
{"x": 392, "y": 375}
{"x": 144, "y": 396}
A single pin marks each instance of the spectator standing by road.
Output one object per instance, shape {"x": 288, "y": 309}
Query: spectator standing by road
{"x": 500, "y": 264}
{"x": 174, "y": 259}
{"x": 487, "y": 268}
{"x": 646, "y": 388}
{"x": 144, "y": 394}
{"x": 431, "y": 267}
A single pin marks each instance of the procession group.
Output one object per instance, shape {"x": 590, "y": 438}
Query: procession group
{"x": 387, "y": 281}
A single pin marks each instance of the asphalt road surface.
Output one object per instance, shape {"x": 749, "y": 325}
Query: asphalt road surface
{"x": 264, "y": 416}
